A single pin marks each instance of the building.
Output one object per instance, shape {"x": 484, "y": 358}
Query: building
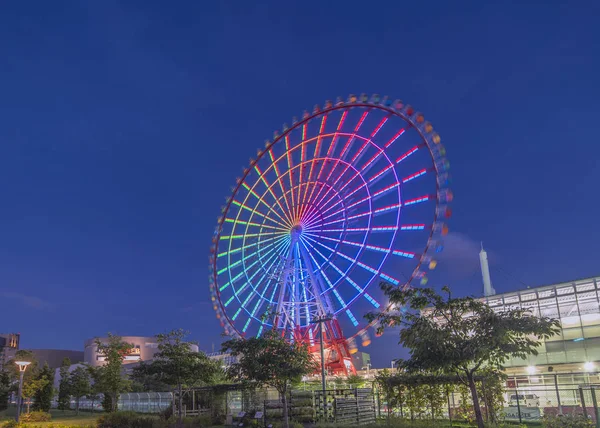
{"x": 576, "y": 305}
{"x": 9, "y": 345}
{"x": 55, "y": 357}
{"x": 142, "y": 349}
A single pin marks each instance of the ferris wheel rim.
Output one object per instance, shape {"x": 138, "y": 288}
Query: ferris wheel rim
{"x": 408, "y": 119}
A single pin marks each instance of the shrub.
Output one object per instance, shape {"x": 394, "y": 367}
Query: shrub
{"x": 567, "y": 421}
{"x": 127, "y": 420}
{"x": 37, "y": 416}
{"x": 198, "y": 421}
{"x": 166, "y": 414}
{"x": 10, "y": 424}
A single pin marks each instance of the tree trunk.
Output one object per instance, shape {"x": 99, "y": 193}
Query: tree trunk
{"x": 180, "y": 418}
{"x": 475, "y": 398}
{"x": 92, "y": 406}
{"x": 286, "y": 421}
{"x": 77, "y": 406}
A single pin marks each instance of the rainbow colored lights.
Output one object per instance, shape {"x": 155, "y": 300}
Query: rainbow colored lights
{"x": 343, "y": 199}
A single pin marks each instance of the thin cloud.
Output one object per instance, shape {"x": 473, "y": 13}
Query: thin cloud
{"x": 25, "y": 300}
{"x": 460, "y": 258}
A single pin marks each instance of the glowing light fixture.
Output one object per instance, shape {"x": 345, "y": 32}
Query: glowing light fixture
{"x": 589, "y": 366}
{"x": 531, "y": 370}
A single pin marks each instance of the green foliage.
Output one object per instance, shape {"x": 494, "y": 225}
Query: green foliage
{"x": 4, "y": 389}
{"x": 79, "y": 384}
{"x": 269, "y": 360}
{"x": 31, "y": 383}
{"x": 10, "y": 424}
{"x": 45, "y": 391}
{"x": 64, "y": 394}
{"x": 567, "y": 421}
{"x": 355, "y": 381}
{"x": 176, "y": 364}
{"x": 36, "y": 416}
{"x": 460, "y": 335}
{"x": 109, "y": 378}
{"x": 126, "y": 420}
{"x": 107, "y": 403}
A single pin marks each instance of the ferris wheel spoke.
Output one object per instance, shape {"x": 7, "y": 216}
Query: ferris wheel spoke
{"x": 268, "y": 186}
{"x": 252, "y": 224}
{"x": 380, "y": 125}
{"x": 348, "y": 196}
{"x": 346, "y": 277}
{"x": 245, "y": 268}
{"x": 371, "y": 162}
{"x": 363, "y": 229}
{"x": 290, "y": 167}
{"x": 248, "y": 235}
{"x": 384, "y": 191}
{"x": 244, "y": 247}
{"x": 347, "y": 208}
{"x": 380, "y": 174}
{"x": 279, "y": 180}
{"x": 258, "y": 213}
{"x": 394, "y": 138}
{"x": 418, "y": 200}
{"x": 415, "y": 175}
{"x": 337, "y": 162}
{"x": 253, "y": 290}
{"x": 262, "y": 201}
{"x": 409, "y": 153}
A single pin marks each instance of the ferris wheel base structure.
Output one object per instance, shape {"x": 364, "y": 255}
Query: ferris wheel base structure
{"x": 349, "y": 196}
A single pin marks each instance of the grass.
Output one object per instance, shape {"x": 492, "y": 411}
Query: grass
{"x": 68, "y": 418}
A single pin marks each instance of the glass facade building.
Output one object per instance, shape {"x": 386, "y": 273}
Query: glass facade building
{"x": 576, "y": 305}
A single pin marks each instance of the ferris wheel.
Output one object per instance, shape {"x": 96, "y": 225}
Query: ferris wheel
{"x": 350, "y": 195}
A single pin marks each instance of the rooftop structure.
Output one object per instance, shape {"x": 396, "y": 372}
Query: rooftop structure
{"x": 576, "y": 304}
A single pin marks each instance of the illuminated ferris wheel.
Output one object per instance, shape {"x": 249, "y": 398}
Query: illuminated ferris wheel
{"x": 349, "y": 195}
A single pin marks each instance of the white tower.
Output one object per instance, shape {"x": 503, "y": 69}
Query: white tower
{"x": 488, "y": 290}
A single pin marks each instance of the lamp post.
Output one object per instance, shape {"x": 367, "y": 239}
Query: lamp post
{"x": 22, "y": 367}
{"x": 320, "y": 320}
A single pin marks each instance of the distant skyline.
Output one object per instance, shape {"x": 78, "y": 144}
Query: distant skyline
{"x": 125, "y": 124}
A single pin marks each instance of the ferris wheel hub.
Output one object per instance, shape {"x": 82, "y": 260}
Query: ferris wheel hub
{"x": 296, "y": 232}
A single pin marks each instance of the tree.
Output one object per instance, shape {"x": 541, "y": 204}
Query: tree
{"x": 111, "y": 382}
{"x": 30, "y": 382}
{"x": 270, "y": 360}
{"x": 44, "y": 394}
{"x": 64, "y": 394}
{"x": 79, "y": 384}
{"x": 176, "y": 364}
{"x": 355, "y": 381}
{"x": 95, "y": 387}
{"x": 4, "y": 382}
{"x": 460, "y": 335}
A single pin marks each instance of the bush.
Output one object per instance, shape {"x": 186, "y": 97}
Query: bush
{"x": 10, "y": 424}
{"x": 198, "y": 421}
{"x": 37, "y": 416}
{"x": 567, "y": 421}
{"x": 127, "y": 420}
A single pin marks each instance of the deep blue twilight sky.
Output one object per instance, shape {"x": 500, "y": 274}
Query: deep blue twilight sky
{"x": 124, "y": 124}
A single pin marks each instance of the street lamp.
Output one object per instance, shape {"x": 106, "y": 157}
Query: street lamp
{"x": 22, "y": 367}
{"x": 321, "y": 320}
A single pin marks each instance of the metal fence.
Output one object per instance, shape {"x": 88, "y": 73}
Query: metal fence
{"x": 525, "y": 399}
